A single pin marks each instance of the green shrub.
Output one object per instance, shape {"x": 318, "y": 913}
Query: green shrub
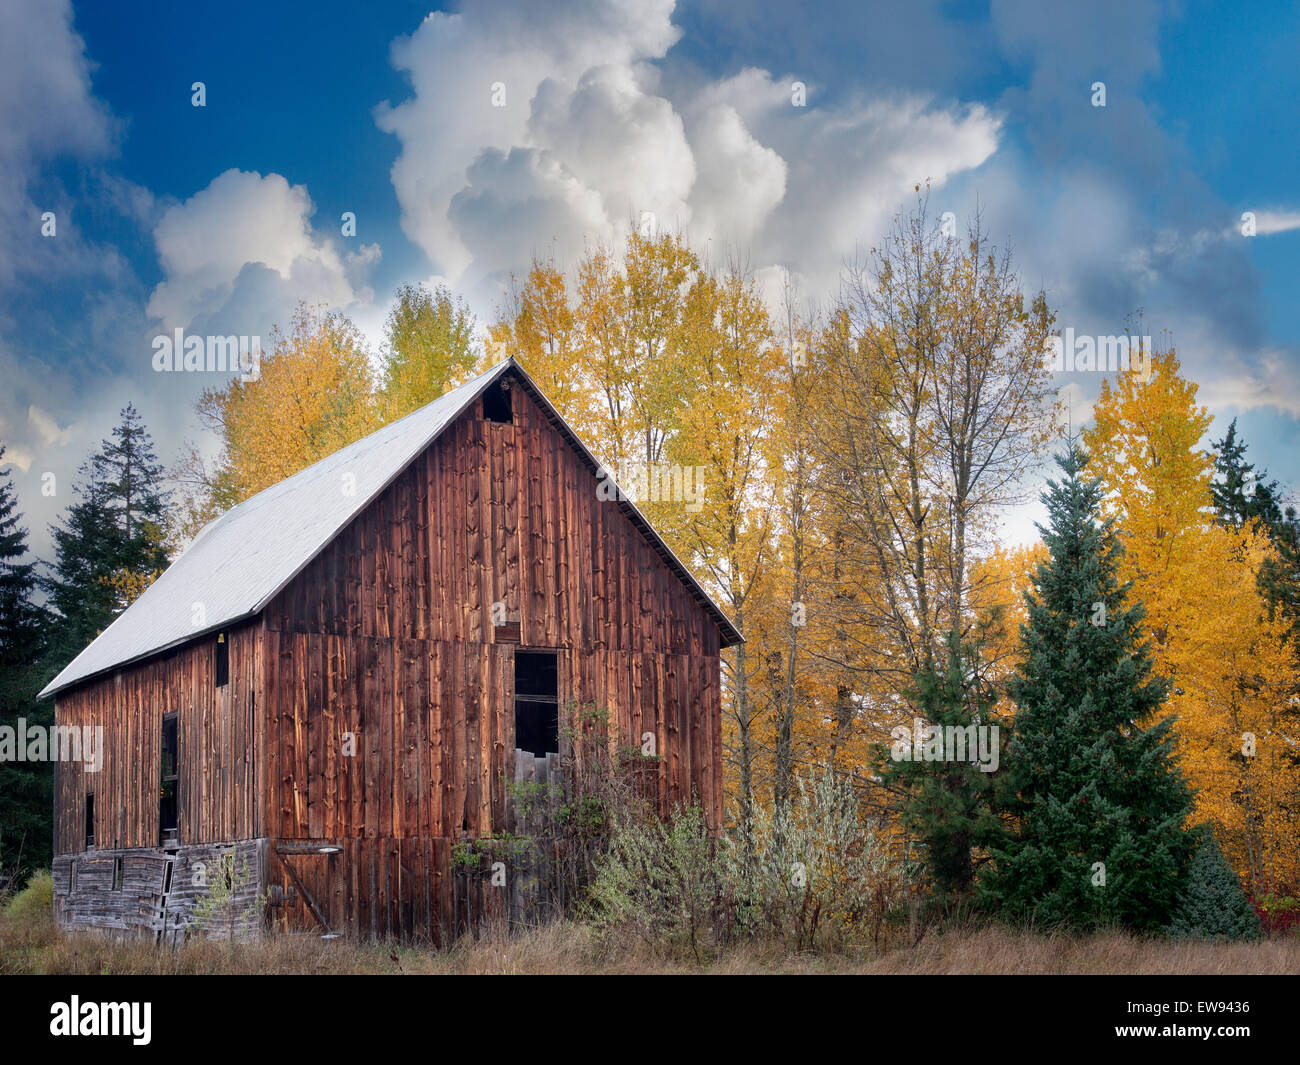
{"x": 1212, "y": 904}
{"x": 808, "y": 873}
{"x": 35, "y": 901}
{"x": 811, "y": 867}
{"x": 658, "y": 880}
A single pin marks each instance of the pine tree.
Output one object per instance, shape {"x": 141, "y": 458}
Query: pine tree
{"x": 1213, "y": 904}
{"x": 1096, "y": 802}
{"x": 112, "y": 533}
{"x": 132, "y": 477}
{"x": 1240, "y": 493}
{"x": 947, "y": 803}
{"x": 25, "y": 787}
{"x": 85, "y": 552}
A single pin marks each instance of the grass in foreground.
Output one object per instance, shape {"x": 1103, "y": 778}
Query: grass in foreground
{"x": 30, "y": 943}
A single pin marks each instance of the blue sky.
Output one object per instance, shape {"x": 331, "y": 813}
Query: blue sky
{"x": 218, "y": 219}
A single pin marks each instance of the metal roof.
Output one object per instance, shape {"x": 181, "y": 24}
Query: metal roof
{"x": 240, "y": 561}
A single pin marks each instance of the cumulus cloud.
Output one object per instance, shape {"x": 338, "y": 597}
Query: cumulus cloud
{"x": 593, "y": 132}
{"x": 240, "y": 253}
{"x": 1270, "y": 380}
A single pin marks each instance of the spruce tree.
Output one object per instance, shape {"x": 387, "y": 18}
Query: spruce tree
{"x": 1096, "y": 802}
{"x": 25, "y": 787}
{"x": 946, "y": 803}
{"x": 115, "y": 526}
{"x": 1212, "y": 904}
{"x": 1243, "y": 495}
{"x": 1239, "y": 492}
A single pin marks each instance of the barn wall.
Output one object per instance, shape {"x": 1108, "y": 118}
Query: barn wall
{"x": 387, "y": 637}
{"x": 497, "y": 513}
{"x": 389, "y": 634}
{"x": 415, "y": 739}
{"x": 216, "y": 736}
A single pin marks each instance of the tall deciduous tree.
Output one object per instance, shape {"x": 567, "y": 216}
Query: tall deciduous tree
{"x": 314, "y": 395}
{"x": 937, "y": 402}
{"x": 1215, "y": 636}
{"x": 430, "y": 348}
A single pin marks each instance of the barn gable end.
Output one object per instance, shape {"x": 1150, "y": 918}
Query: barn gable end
{"x": 368, "y": 725}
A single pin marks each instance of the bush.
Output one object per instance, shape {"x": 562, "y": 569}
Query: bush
{"x": 35, "y": 901}
{"x": 658, "y": 880}
{"x": 1278, "y": 913}
{"x": 1212, "y": 904}
{"x": 811, "y": 865}
{"x": 807, "y": 873}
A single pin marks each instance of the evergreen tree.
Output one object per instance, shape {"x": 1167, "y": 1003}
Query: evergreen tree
{"x": 111, "y": 534}
{"x": 1213, "y": 904}
{"x": 132, "y": 477}
{"x": 25, "y": 787}
{"x": 1239, "y": 492}
{"x": 946, "y": 801}
{"x": 1086, "y": 779}
{"x": 1242, "y": 495}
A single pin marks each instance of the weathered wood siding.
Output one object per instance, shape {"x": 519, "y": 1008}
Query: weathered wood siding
{"x": 497, "y": 513}
{"x": 371, "y": 705}
{"x": 216, "y": 739}
{"x": 388, "y": 636}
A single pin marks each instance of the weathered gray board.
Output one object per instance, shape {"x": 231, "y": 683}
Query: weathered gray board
{"x": 145, "y": 900}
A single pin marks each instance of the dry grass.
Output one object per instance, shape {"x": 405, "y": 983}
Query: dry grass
{"x": 30, "y": 943}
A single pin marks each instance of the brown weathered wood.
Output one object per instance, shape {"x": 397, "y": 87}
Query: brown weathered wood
{"x": 388, "y": 635}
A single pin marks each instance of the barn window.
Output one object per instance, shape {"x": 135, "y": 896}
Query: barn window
{"x": 90, "y": 820}
{"x": 223, "y": 660}
{"x": 170, "y": 780}
{"x": 117, "y": 874}
{"x": 496, "y": 402}
{"x": 537, "y": 704}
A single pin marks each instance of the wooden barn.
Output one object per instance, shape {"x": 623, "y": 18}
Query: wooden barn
{"x": 340, "y": 675}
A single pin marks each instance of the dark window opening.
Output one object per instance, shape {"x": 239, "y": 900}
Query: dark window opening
{"x": 537, "y": 703}
{"x": 170, "y": 780}
{"x": 90, "y": 821}
{"x": 496, "y": 401}
{"x": 117, "y": 874}
{"x": 223, "y": 660}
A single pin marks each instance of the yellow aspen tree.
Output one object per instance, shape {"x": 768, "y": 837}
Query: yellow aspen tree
{"x": 314, "y": 395}
{"x": 1230, "y": 665}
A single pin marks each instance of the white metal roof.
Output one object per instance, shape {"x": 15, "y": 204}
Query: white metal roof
{"x": 241, "y": 560}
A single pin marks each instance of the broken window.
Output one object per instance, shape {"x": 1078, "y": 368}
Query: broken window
{"x": 170, "y": 780}
{"x": 117, "y": 874}
{"x": 496, "y": 401}
{"x": 537, "y": 703}
{"x": 223, "y": 660}
{"x": 90, "y": 821}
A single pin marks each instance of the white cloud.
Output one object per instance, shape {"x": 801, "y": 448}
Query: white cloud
{"x": 1271, "y": 380}
{"x": 1269, "y": 222}
{"x": 595, "y": 131}
{"x": 242, "y": 252}
{"x": 46, "y": 112}
{"x": 47, "y": 429}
